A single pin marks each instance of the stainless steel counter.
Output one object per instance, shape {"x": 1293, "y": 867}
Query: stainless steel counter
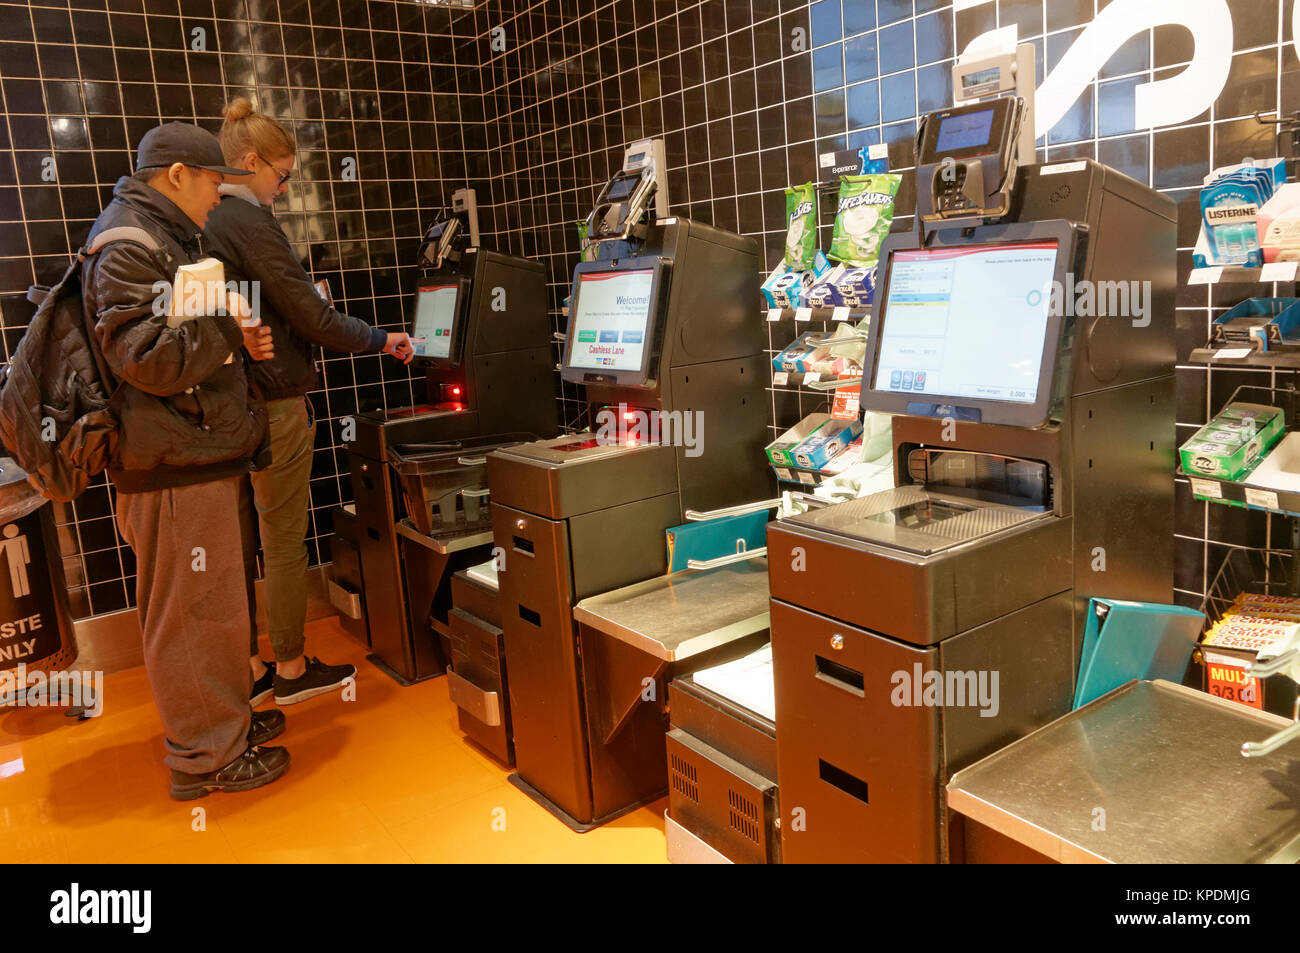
{"x": 674, "y": 617}
{"x": 1150, "y": 773}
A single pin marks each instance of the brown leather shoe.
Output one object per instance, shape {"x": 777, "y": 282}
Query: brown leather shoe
{"x": 252, "y": 769}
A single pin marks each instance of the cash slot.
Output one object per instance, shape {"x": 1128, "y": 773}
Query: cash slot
{"x": 848, "y": 783}
{"x": 841, "y": 676}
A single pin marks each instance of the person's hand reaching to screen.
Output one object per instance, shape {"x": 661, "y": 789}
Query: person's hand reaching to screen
{"x": 399, "y": 346}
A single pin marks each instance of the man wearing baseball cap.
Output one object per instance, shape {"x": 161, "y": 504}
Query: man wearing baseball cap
{"x": 189, "y": 430}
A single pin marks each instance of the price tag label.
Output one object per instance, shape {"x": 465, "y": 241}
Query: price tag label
{"x": 1205, "y": 276}
{"x": 1232, "y": 352}
{"x": 879, "y": 150}
{"x": 803, "y": 314}
{"x": 781, "y": 378}
{"x": 812, "y": 378}
{"x": 840, "y": 314}
{"x": 1207, "y": 488}
{"x": 1278, "y": 271}
{"x": 1234, "y": 685}
{"x": 774, "y": 314}
{"x": 783, "y": 474}
{"x": 805, "y": 477}
{"x": 1264, "y": 498}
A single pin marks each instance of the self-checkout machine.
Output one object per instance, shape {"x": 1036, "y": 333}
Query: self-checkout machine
{"x": 481, "y": 330}
{"x": 917, "y": 629}
{"x": 663, "y": 342}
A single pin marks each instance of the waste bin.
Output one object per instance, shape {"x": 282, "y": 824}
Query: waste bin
{"x": 35, "y": 622}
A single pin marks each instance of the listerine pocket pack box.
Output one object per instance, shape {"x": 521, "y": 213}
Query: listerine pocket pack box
{"x": 1233, "y": 442}
{"x": 780, "y": 452}
{"x": 826, "y": 441}
{"x": 1231, "y": 199}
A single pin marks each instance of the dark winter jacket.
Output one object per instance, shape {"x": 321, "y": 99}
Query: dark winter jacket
{"x": 246, "y": 236}
{"x": 185, "y": 416}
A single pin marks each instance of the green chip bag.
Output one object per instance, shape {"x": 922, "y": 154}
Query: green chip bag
{"x": 863, "y": 217}
{"x": 801, "y": 219}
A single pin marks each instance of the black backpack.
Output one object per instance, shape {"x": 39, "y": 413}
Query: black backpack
{"x": 55, "y": 392}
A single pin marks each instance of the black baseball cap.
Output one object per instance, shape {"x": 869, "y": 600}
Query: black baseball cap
{"x": 183, "y": 143}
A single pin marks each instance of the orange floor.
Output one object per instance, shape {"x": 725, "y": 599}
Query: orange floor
{"x": 386, "y": 778}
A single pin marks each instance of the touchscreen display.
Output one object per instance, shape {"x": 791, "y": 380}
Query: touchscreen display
{"x": 966, "y": 323}
{"x": 611, "y": 320}
{"x": 435, "y": 316}
{"x": 964, "y": 130}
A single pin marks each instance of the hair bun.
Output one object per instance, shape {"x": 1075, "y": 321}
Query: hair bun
{"x": 237, "y": 109}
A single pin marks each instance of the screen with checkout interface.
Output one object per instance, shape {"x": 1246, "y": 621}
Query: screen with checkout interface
{"x": 435, "y": 316}
{"x": 964, "y": 130}
{"x": 966, "y": 322}
{"x": 611, "y": 320}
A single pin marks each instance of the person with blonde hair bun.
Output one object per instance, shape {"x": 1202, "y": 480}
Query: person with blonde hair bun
{"x": 244, "y": 233}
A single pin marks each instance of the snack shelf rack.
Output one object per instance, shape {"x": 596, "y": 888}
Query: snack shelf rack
{"x": 824, "y": 315}
{"x": 1271, "y": 571}
{"x": 1283, "y": 271}
{"x": 1265, "y": 360}
{"x": 1241, "y": 494}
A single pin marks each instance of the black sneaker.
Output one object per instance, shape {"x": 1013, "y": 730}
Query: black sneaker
{"x": 318, "y": 679}
{"x": 252, "y": 769}
{"x": 265, "y": 726}
{"x": 263, "y": 687}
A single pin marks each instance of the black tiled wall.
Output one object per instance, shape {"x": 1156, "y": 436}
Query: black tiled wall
{"x": 744, "y": 112}
{"x": 531, "y": 102}
{"x": 374, "y": 81}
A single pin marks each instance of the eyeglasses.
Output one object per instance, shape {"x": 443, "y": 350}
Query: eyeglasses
{"x": 284, "y": 176}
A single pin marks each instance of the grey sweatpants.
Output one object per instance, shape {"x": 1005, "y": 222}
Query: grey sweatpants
{"x": 193, "y": 616}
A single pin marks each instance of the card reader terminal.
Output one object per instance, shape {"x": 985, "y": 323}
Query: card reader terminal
{"x": 966, "y": 161}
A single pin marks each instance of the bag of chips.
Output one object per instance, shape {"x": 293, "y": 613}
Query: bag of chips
{"x": 801, "y": 233}
{"x": 863, "y": 217}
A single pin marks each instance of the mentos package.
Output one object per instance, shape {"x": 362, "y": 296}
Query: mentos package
{"x": 863, "y": 217}
{"x": 801, "y": 222}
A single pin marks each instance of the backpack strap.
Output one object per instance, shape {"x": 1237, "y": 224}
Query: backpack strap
{"x": 122, "y": 233}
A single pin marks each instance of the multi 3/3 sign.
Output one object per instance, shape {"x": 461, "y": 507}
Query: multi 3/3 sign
{"x": 1162, "y": 102}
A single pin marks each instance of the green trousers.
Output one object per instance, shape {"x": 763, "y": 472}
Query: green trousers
{"x": 279, "y": 496}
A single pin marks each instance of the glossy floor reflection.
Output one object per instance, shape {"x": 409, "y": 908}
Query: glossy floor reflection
{"x": 386, "y": 778}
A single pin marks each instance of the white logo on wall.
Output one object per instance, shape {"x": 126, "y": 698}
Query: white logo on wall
{"x": 1160, "y": 102}
{"x": 18, "y": 556}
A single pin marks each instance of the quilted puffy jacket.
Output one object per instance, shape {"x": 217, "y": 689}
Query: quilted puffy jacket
{"x": 185, "y": 416}
{"x": 246, "y": 236}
